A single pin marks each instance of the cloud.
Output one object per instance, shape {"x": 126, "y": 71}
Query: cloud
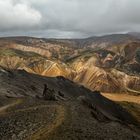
{"x": 16, "y": 16}
{"x": 69, "y": 18}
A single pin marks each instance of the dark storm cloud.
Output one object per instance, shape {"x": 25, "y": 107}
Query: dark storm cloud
{"x": 68, "y": 18}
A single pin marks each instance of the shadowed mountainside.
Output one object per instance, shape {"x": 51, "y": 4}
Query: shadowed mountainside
{"x": 65, "y": 117}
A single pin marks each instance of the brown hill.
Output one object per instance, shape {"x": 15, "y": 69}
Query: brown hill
{"x": 109, "y": 80}
{"x": 112, "y": 68}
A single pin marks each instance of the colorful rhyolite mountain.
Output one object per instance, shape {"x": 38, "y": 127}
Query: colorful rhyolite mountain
{"x": 108, "y": 63}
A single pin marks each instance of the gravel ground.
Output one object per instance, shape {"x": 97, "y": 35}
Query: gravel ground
{"x": 66, "y": 120}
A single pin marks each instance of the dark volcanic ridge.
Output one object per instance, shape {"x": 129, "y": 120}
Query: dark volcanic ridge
{"x": 63, "y": 110}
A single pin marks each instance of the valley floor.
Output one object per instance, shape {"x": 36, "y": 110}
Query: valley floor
{"x": 122, "y": 97}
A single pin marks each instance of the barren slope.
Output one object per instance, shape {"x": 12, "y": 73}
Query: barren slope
{"x": 65, "y": 118}
{"x": 109, "y": 63}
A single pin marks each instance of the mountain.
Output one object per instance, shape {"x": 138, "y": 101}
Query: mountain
{"x": 135, "y": 34}
{"x": 60, "y": 89}
{"x": 38, "y": 107}
{"x": 109, "y": 40}
{"x": 108, "y": 63}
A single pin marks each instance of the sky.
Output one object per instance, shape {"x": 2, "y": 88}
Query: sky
{"x": 68, "y": 18}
